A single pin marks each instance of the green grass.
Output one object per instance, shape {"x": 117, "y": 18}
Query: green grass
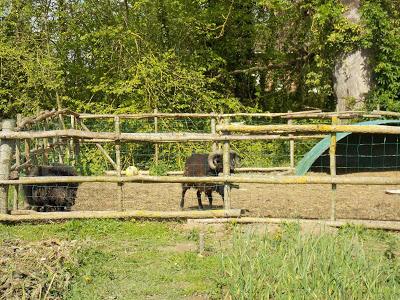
{"x": 127, "y": 260}
{"x": 138, "y": 260}
{"x": 353, "y": 264}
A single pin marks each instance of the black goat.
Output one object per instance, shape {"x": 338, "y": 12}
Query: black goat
{"x": 201, "y": 165}
{"x": 53, "y": 196}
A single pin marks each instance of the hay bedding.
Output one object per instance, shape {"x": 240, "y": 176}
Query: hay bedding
{"x": 36, "y": 270}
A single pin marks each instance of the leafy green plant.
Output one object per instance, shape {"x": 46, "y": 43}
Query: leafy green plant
{"x": 288, "y": 264}
{"x": 159, "y": 169}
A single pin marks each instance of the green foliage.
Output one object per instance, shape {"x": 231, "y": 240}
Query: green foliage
{"x": 159, "y": 168}
{"x": 177, "y": 56}
{"x": 188, "y": 56}
{"x": 159, "y": 260}
{"x": 289, "y": 265}
{"x": 141, "y": 259}
{"x": 382, "y": 20}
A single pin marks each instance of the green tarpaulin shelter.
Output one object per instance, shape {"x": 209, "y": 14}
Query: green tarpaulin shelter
{"x": 356, "y": 152}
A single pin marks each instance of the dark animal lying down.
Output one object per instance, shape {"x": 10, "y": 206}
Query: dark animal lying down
{"x": 199, "y": 165}
{"x": 53, "y": 196}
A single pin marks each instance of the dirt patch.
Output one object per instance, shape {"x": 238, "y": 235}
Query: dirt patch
{"x": 180, "y": 247}
{"x": 259, "y": 200}
{"x": 35, "y": 270}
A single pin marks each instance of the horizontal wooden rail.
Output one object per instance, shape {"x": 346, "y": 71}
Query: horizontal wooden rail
{"x": 310, "y": 114}
{"x": 350, "y": 180}
{"x": 144, "y": 137}
{"x": 146, "y": 115}
{"x": 237, "y": 170}
{"x": 261, "y": 170}
{"x": 200, "y": 137}
{"x": 43, "y": 116}
{"x": 317, "y": 128}
{"x": 330, "y": 115}
{"x": 370, "y": 224}
{"x": 386, "y": 113}
{"x": 191, "y": 115}
{"x": 49, "y": 216}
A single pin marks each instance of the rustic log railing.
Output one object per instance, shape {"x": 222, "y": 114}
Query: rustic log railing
{"x": 221, "y": 133}
{"x": 329, "y": 180}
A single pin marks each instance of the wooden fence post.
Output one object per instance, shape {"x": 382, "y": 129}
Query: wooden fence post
{"x": 332, "y": 164}
{"x": 156, "y": 147}
{"x": 72, "y": 142}
{"x": 45, "y": 145}
{"x": 27, "y": 149}
{"x": 291, "y": 144}
{"x": 17, "y": 188}
{"x": 118, "y": 162}
{"x": 6, "y": 151}
{"x": 214, "y": 131}
{"x": 77, "y": 144}
{"x": 226, "y": 170}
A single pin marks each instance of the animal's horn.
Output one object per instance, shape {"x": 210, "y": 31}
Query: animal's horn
{"x": 211, "y": 157}
{"x": 235, "y": 155}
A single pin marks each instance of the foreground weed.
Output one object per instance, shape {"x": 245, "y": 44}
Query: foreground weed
{"x": 290, "y": 265}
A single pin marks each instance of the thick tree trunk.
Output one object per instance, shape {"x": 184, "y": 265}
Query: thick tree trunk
{"x": 352, "y": 75}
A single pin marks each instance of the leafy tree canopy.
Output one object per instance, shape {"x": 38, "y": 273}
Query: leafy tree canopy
{"x": 189, "y": 55}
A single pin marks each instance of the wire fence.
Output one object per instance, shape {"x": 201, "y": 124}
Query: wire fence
{"x": 363, "y": 153}
{"x": 354, "y": 153}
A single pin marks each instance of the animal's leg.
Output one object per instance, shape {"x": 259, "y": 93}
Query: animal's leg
{"x": 209, "y": 196}
{"x": 199, "y": 199}
{"x": 184, "y": 189}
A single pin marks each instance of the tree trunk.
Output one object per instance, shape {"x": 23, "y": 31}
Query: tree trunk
{"x": 352, "y": 74}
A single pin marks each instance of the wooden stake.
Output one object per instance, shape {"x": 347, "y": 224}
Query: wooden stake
{"x": 60, "y": 150}
{"x": 6, "y": 151}
{"x": 156, "y": 131}
{"x": 77, "y": 144}
{"x": 62, "y": 126}
{"x": 201, "y": 243}
{"x": 118, "y": 162}
{"x": 291, "y": 144}
{"x": 17, "y": 188}
{"x": 227, "y": 171}
{"x": 27, "y": 155}
{"x": 45, "y": 145}
{"x": 72, "y": 141}
{"x": 332, "y": 156}
{"x": 214, "y": 131}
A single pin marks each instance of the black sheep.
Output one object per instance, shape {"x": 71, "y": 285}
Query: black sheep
{"x": 52, "y": 196}
{"x": 201, "y": 165}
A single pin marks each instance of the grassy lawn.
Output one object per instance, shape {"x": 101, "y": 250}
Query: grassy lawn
{"x": 129, "y": 260}
{"x": 151, "y": 260}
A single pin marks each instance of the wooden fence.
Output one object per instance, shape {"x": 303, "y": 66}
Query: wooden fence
{"x": 221, "y": 135}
